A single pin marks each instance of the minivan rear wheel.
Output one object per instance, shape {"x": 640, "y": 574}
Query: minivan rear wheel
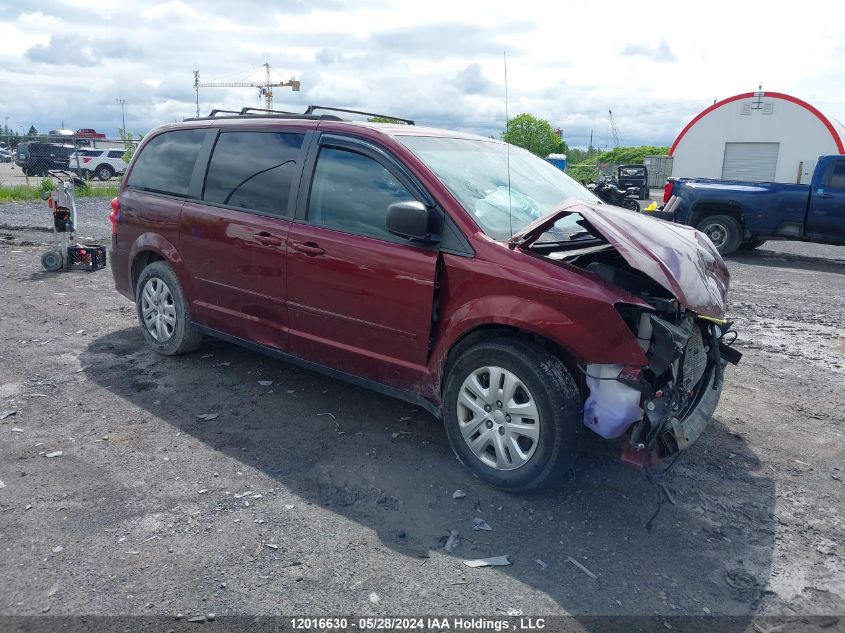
{"x": 163, "y": 311}
{"x": 512, "y": 414}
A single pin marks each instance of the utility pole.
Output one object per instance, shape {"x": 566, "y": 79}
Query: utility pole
{"x": 122, "y": 103}
{"x": 197, "y": 88}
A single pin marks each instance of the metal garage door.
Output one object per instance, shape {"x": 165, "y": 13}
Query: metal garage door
{"x": 750, "y": 161}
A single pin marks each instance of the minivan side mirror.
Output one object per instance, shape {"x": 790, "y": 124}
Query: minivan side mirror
{"x": 412, "y": 220}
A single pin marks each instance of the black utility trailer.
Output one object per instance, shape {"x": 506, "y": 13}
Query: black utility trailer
{"x": 633, "y": 176}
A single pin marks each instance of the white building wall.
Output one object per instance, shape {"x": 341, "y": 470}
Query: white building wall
{"x": 801, "y": 134}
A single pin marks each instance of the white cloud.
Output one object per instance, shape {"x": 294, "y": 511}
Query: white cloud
{"x": 439, "y": 62}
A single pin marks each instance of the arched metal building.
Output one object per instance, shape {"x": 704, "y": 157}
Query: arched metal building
{"x": 758, "y": 136}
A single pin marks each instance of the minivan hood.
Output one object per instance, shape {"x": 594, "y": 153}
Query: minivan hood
{"x": 679, "y": 258}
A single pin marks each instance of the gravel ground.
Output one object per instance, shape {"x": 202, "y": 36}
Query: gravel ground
{"x": 308, "y": 495}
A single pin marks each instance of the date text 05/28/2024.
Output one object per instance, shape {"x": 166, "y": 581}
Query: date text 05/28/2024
{"x": 455, "y": 623}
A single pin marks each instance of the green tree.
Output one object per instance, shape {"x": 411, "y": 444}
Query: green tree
{"x": 536, "y": 135}
{"x": 130, "y": 143}
{"x": 383, "y": 119}
{"x": 32, "y": 131}
{"x": 631, "y": 155}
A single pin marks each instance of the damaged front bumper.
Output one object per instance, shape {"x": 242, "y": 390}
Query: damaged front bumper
{"x": 664, "y": 406}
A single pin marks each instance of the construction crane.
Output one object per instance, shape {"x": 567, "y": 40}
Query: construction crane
{"x": 613, "y": 129}
{"x": 265, "y": 89}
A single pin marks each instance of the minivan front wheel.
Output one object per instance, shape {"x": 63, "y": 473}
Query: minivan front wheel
{"x": 512, "y": 414}
{"x": 163, "y": 311}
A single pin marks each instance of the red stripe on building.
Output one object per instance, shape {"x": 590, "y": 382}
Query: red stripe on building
{"x": 776, "y": 95}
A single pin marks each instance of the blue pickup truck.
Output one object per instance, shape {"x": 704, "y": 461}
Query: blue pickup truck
{"x": 743, "y": 215}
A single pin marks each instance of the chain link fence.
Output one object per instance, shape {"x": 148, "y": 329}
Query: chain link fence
{"x": 659, "y": 170}
{"x": 97, "y": 162}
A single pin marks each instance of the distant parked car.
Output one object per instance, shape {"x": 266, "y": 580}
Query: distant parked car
{"x": 36, "y": 159}
{"x": 87, "y": 132}
{"x": 5, "y": 156}
{"x": 99, "y": 163}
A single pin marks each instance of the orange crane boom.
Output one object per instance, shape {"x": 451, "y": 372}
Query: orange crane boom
{"x": 265, "y": 88}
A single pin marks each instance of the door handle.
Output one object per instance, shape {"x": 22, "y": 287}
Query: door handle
{"x": 826, "y": 195}
{"x": 267, "y": 239}
{"x": 311, "y": 249}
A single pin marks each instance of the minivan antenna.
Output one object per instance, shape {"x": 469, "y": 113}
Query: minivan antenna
{"x": 507, "y": 143}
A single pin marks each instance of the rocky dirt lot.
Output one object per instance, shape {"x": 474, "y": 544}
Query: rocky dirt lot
{"x": 303, "y": 495}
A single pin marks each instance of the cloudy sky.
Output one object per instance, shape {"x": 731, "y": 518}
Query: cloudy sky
{"x": 655, "y": 64}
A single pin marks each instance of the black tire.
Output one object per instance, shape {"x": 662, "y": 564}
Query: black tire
{"x": 186, "y": 337}
{"x": 40, "y": 168}
{"x": 644, "y": 194}
{"x": 723, "y": 230}
{"x": 555, "y": 395}
{"x": 104, "y": 172}
{"x": 51, "y": 261}
{"x": 750, "y": 245}
{"x": 631, "y": 204}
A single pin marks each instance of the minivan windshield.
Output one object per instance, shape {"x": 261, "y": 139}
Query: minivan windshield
{"x": 476, "y": 173}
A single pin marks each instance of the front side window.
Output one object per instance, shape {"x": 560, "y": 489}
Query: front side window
{"x": 351, "y": 193}
{"x": 116, "y": 153}
{"x": 253, "y": 170}
{"x": 503, "y": 193}
{"x": 166, "y": 163}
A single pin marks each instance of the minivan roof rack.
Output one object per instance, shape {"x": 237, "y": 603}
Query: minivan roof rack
{"x": 249, "y": 110}
{"x": 283, "y": 114}
{"x": 310, "y": 110}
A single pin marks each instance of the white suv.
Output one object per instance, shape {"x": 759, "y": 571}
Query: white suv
{"x": 101, "y": 163}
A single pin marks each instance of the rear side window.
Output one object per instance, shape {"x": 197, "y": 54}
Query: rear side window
{"x": 166, "y": 164}
{"x": 116, "y": 153}
{"x": 253, "y": 170}
{"x": 351, "y": 193}
{"x": 836, "y": 179}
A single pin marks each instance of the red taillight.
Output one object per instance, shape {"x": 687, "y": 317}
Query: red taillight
{"x": 667, "y": 191}
{"x": 86, "y": 160}
{"x": 114, "y": 216}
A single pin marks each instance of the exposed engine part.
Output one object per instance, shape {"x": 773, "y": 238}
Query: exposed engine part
{"x": 669, "y": 343}
{"x": 681, "y": 382}
{"x": 695, "y": 359}
{"x": 679, "y": 388}
{"x": 644, "y": 331}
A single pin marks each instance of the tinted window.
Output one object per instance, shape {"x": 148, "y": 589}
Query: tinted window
{"x": 167, "y": 162}
{"x": 253, "y": 170}
{"x": 116, "y": 153}
{"x": 631, "y": 172}
{"x": 352, "y": 192}
{"x": 837, "y": 176}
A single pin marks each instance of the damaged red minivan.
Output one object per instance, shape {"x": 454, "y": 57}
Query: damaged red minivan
{"x": 445, "y": 269}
